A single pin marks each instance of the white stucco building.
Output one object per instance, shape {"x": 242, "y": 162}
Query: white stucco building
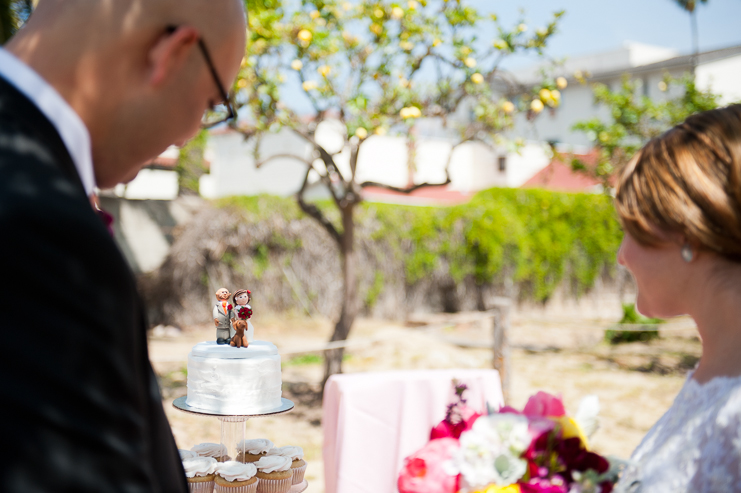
{"x": 718, "y": 70}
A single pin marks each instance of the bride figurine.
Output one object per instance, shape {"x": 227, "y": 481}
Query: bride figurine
{"x": 679, "y": 201}
{"x": 243, "y": 311}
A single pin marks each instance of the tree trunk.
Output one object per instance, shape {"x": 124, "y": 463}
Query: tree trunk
{"x": 695, "y": 41}
{"x": 333, "y": 357}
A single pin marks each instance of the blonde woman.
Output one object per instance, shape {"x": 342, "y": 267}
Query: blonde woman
{"x": 679, "y": 201}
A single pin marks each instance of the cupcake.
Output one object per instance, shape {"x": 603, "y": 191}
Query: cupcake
{"x": 253, "y": 450}
{"x": 235, "y": 477}
{"x": 215, "y": 450}
{"x": 199, "y": 471}
{"x": 186, "y": 454}
{"x": 298, "y": 464}
{"x": 274, "y": 473}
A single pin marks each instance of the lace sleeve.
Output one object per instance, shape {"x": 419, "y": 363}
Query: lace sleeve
{"x": 719, "y": 464}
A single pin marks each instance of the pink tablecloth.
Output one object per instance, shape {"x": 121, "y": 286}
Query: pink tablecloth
{"x": 372, "y": 421}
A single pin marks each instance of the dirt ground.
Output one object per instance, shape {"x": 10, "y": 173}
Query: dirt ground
{"x": 635, "y": 382}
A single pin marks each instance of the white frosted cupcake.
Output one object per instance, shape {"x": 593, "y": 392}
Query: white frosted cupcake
{"x": 186, "y": 454}
{"x": 235, "y": 477}
{"x": 298, "y": 464}
{"x": 274, "y": 472}
{"x": 199, "y": 471}
{"x": 253, "y": 450}
{"x": 215, "y": 450}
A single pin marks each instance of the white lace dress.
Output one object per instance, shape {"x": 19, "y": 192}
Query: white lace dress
{"x": 695, "y": 446}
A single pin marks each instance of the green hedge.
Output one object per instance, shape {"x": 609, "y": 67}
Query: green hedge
{"x": 536, "y": 238}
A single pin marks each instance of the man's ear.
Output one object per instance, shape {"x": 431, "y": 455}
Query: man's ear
{"x": 170, "y": 53}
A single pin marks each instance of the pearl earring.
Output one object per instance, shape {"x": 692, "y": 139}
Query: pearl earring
{"x": 687, "y": 254}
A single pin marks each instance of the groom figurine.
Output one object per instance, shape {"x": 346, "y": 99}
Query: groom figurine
{"x": 223, "y": 316}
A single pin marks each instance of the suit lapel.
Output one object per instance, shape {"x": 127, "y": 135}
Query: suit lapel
{"x": 17, "y": 109}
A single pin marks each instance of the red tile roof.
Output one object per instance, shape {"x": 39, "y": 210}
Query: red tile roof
{"x": 421, "y": 196}
{"x": 559, "y": 176}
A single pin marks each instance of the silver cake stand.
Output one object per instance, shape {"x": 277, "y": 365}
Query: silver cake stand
{"x": 233, "y": 426}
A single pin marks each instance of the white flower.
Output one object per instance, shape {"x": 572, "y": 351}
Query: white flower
{"x": 490, "y": 452}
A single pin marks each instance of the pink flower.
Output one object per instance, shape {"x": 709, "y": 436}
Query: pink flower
{"x": 544, "y": 405}
{"x": 423, "y": 472}
{"x": 446, "y": 429}
{"x": 509, "y": 410}
{"x": 543, "y": 485}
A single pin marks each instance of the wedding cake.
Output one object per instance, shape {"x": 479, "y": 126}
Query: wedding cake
{"x": 224, "y": 379}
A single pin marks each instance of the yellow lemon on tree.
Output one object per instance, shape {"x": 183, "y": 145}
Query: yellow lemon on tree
{"x": 314, "y": 14}
{"x": 537, "y": 106}
{"x": 380, "y": 131}
{"x": 297, "y": 65}
{"x": 436, "y": 42}
{"x": 305, "y": 35}
{"x": 406, "y": 45}
{"x": 397, "y": 12}
{"x": 556, "y": 94}
{"x": 508, "y": 107}
{"x": 545, "y": 94}
{"x": 561, "y": 83}
{"x": 477, "y": 78}
{"x": 361, "y": 133}
{"x": 376, "y": 29}
{"x": 501, "y": 44}
{"x": 324, "y": 70}
{"x": 379, "y": 13}
{"x": 309, "y": 85}
{"x": 470, "y": 62}
{"x": 412, "y": 4}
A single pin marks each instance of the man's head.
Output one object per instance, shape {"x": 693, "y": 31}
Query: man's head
{"x": 138, "y": 86}
{"x": 222, "y": 294}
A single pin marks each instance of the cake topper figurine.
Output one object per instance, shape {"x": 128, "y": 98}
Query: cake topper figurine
{"x": 243, "y": 311}
{"x": 222, "y": 316}
{"x": 239, "y": 339}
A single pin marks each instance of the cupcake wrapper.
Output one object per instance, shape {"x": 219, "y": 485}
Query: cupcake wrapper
{"x": 298, "y": 474}
{"x": 207, "y": 487}
{"x": 250, "y": 488}
{"x": 274, "y": 485}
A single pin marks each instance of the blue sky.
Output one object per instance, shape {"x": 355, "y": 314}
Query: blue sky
{"x": 591, "y": 26}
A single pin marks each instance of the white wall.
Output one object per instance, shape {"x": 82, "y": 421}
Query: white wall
{"x": 723, "y": 77}
{"x": 150, "y": 184}
{"x": 233, "y": 169}
{"x": 473, "y": 166}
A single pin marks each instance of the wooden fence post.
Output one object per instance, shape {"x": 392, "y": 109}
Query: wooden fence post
{"x": 500, "y": 347}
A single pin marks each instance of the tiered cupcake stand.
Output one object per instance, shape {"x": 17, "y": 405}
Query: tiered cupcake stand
{"x": 233, "y": 427}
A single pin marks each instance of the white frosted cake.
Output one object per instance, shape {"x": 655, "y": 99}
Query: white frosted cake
{"x": 231, "y": 380}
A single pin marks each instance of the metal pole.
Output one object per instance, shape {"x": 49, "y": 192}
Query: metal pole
{"x": 500, "y": 348}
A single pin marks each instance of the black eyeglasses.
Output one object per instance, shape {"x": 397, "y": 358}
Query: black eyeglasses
{"x": 224, "y": 111}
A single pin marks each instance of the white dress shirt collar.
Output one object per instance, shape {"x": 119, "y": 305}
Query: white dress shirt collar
{"x": 71, "y": 128}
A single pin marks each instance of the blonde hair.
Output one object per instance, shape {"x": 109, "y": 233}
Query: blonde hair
{"x": 688, "y": 181}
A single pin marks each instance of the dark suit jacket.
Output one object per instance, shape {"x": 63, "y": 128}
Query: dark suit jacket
{"x": 80, "y": 405}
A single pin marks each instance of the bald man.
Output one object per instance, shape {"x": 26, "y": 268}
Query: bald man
{"x": 90, "y": 90}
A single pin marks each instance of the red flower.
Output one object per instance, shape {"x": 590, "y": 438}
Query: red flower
{"x": 244, "y": 313}
{"x": 447, "y": 429}
{"x": 229, "y": 307}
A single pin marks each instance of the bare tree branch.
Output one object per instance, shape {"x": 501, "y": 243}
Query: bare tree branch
{"x": 403, "y": 190}
{"x": 285, "y": 156}
{"x": 316, "y": 213}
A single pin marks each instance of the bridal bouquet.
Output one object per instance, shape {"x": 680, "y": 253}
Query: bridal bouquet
{"x": 540, "y": 449}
